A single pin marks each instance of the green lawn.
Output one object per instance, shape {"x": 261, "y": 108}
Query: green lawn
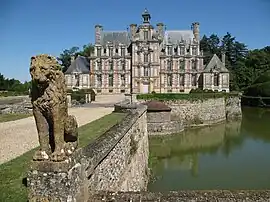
{"x": 13, "y": 173}
{"x": 13, "y": 117}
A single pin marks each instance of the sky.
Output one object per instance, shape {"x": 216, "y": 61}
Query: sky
{"x": 31, "y": 27}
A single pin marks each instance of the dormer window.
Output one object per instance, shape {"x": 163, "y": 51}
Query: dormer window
{"x": 110, "y": 52}
{"x": 145, "y": 35}
{"x": 98, "y": 52}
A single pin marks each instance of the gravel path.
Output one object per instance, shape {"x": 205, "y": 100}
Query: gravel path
{"x": 18, "y": 137}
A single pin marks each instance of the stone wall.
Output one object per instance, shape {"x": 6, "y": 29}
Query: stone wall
{"x": 207, "y": 111}
{"x": 204, "y": 112}
{"x": 116, "y": 161}
{"x": 184, "y": 196}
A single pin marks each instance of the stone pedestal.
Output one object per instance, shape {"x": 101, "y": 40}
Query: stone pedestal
{"x": 56, "y": 181}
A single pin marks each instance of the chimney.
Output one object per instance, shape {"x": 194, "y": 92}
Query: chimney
{"x": 160, "y": 29}
{"x": 223, "y": 57}
{"x": 133, "y": 30}
{"x": 196, "y": 30}
{"x": 98, "y": 31}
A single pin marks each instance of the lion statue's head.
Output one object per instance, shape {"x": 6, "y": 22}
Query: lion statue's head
{"x": 44, "y": 68}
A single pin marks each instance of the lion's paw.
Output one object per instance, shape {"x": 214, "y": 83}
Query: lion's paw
{"x": 58, "y": 155}
{"x": 40, "y": 155}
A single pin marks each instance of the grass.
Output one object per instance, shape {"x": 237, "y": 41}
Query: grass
{"x": 13, "y": 117}
{"x": 13, "y": 173}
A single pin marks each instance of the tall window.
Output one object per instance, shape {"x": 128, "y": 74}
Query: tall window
{"x": 194, "y": 50}
{"x": 169, "y": 65}
{"x": 194, "y": 80}
{"x": 110, "y": 52}
{"x": 111, "y": 65}
{"x": 145, "y": 35}
{"x": 216, "y": 79}
{"x": 110, "y": 80}
{"x": 169, "y": 50}
{"x": 194, "y": 64}
{"x": 182, "y": 79}
{"x": 145, "y": 57}
{"x": 169, "y": 80}
{"x": 99, "y": 67}
{"x": 99, "y": 52}
{"x": 99, "y": 80}
{"x": 182, "y": 64}
{"x": 123, "y": 52}
{"x": 123, "y": 65}
{"x": 182, "y": 50}
{"x": 146, "y": 71}
{"x": 123, "y": 80}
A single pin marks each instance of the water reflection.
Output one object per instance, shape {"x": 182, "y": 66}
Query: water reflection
{"x": 228, "y": 155}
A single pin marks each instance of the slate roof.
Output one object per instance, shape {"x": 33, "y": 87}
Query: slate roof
{"x": 80, "y": 64}
{"x": 216, "y": 65}
{"x": 115, "y": 37}
{"x": 177, "y": 36}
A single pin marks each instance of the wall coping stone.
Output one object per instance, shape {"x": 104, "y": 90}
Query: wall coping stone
{"x": 184, "y": 196}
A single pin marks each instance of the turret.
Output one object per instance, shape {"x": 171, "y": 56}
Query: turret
{"x": 146, "y": 16}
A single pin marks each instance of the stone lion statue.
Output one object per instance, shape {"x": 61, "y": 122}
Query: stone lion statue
{"x": 57, "y": 131}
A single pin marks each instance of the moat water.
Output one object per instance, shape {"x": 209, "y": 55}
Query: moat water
{"x": 233, "y": 155}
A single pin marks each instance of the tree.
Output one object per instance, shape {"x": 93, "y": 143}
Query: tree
{"x": 65, "y": 57}
{"x": 87, "y": 51}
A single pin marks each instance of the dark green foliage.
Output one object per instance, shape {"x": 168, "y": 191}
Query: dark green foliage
{"x": 79, "y": 95}
{"x": 13, "y": 87}
{"x": 65, "y": 57}
{"x": 181, "y": 96}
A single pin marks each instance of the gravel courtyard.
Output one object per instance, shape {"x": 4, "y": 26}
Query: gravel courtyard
{"x": 20, "y": 136}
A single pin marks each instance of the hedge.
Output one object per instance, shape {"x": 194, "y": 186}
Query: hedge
{"x": 182, "y": 96}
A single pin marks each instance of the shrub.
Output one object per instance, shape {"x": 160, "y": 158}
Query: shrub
{"x": 78, "y": 96}
{"x": 181, "y": 96}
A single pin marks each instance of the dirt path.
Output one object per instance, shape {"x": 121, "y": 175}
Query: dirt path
{"x": 18, "y": 137}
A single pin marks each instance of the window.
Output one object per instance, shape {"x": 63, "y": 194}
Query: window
{"x": 99, "y": 67}
{"x": 123, "y": 52}
{"x": 182, "y": 50}
{"x": 169, "y": 80}
{"x": 194, "y": 51}
{"x": 116, "y": 50}
{"x": 216, "y": 79}
{"x": 111, "y": 65}
{"x": 146, "y": 71}
{"x": 169, "y": 65}
{"x": 99, "y": 80}
{"x": 145, "y": 57}
{"x": 182, "y": 79}
{"x": 123, "y": 65}
{"x": 169, "y": 50}
{"x": 123, "y": 80}
{"x": 145, "y": 35}
{"x": 175, "y": 51}
{"x": 98, "y": 52}
{"x": 110, "y": 52}
{"x": 194, "y": 80}
{"x": 104, "y": 50}
{"x": 194, "y": 64}
{"x": 110, "y": 80}
{"x": 182, "y": 64}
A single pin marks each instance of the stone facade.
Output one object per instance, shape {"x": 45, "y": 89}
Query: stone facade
{"x": 116, "y": 161}
{"x": 152, "y": 59}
